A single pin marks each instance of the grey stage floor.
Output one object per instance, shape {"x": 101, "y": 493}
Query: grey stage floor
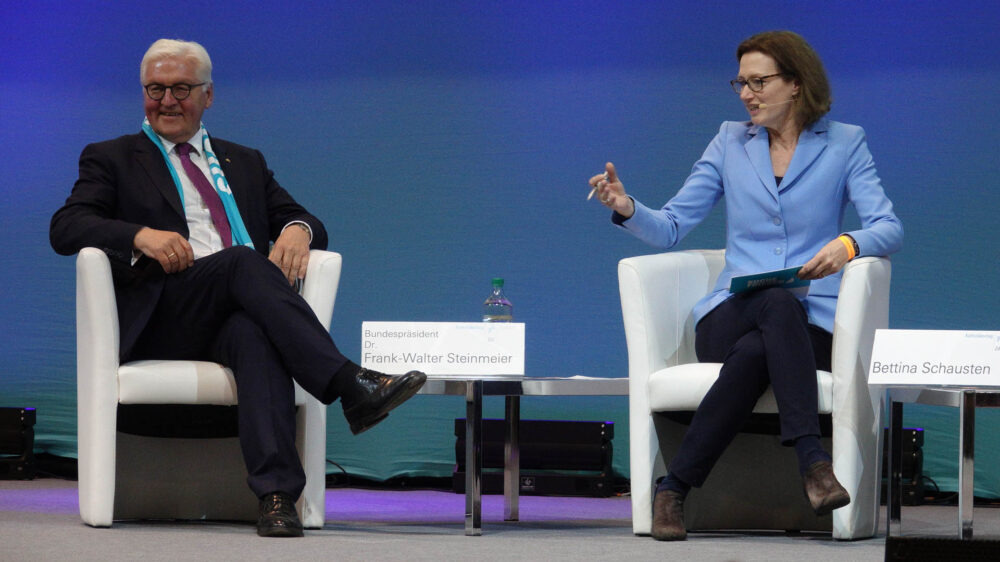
{"x": 39, "y": 521}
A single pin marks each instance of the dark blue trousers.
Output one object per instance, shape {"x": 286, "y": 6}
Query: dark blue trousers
{"x": 236, "y": 308}
{"x": 761, "y": 338}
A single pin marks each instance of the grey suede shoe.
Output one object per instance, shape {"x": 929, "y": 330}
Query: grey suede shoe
{"x": 668, "y": 517}
{"x": 821, "y": 487}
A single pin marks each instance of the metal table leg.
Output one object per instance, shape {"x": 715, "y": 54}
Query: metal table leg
{"x": 967, "y": 434}
{"x": 473, "y": 458}
{"x": 895, "y": 490}
{"x": 512, "y": 459}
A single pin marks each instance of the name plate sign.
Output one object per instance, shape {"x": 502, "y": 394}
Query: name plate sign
{"x": 935, "y": 357}
{"x": 444, "y": 348}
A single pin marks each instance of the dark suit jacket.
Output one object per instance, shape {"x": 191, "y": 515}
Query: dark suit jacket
{"x": 125, "y": 185}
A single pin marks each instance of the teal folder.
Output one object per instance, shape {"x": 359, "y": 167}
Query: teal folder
{"x": 785, "y": 278}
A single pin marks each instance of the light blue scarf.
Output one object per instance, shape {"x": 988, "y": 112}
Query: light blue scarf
{"x": 240, "y": 235}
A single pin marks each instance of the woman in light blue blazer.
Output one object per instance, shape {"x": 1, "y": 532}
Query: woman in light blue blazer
{"x": 787, "y": 175}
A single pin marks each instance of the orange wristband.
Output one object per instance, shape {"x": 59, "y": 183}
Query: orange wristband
{"x": 847, "y": 244}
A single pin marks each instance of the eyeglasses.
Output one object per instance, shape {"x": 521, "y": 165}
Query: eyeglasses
{"x": 179, "y": 91}
{"x": 755, "y": 84}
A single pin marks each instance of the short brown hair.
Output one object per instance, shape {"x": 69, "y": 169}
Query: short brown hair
{"x": 798, "y": 60}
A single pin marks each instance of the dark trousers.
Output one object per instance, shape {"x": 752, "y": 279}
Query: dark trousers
{"x": 761, "y": 338}
{"x": 236, "y": 308}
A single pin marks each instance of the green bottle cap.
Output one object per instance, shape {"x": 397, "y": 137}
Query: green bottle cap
{"x": 498, "y": 281}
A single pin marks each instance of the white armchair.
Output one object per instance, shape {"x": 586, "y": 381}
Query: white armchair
{"x": 755, "y": 485}
{"x": 124, "y": 476}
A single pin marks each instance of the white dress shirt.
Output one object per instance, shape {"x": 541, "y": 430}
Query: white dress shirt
{"x": 202, "y": 234}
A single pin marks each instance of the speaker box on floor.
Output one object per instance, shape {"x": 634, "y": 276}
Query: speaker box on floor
{"x": 558, "y": 458}
{"x": 912, "y": 466}
{"x": 17, "y": 444}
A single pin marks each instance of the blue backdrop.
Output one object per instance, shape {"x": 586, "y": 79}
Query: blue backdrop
{"x": 445, "y": 143}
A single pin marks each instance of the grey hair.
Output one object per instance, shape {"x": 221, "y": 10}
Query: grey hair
{"x": 166, "y": 48}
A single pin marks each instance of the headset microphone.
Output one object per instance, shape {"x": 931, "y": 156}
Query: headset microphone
{"x": 767, "y": 105}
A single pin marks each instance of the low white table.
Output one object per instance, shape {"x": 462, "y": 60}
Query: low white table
{"x": 512, "y": 389}
{"x": 966, "y": 399}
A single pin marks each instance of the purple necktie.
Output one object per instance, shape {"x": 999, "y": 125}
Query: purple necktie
{"x": 208, "y": 194}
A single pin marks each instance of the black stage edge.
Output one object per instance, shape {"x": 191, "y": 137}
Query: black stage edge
{"x": 934, "y": 549}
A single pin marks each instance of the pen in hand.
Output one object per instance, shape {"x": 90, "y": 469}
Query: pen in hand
{"x": 593, "y": 190}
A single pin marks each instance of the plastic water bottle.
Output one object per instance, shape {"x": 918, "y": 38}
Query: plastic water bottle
{"x": 497, "y": 308}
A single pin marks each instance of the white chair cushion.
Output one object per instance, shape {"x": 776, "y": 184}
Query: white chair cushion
{"x": 156, "y": 381}
{"x": 682, "y": 388}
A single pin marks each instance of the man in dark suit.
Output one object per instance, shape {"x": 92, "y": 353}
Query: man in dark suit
{"x": 186, "y": 220}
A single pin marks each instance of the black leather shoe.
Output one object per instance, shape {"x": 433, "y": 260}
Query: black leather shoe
{"x": 374, "y": 394}
{"x": 278, "y": 517}
{"x": 668, "y": 517}
{"x": 824, "y": 492}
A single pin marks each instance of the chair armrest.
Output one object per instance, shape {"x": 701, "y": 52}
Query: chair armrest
{"x": 658, "y": 293}
{"x": 862, "y": 307}
{"x": 319, "y": 288}
{"x": 97, "y": 385}
{"x": 97, "y": 341}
